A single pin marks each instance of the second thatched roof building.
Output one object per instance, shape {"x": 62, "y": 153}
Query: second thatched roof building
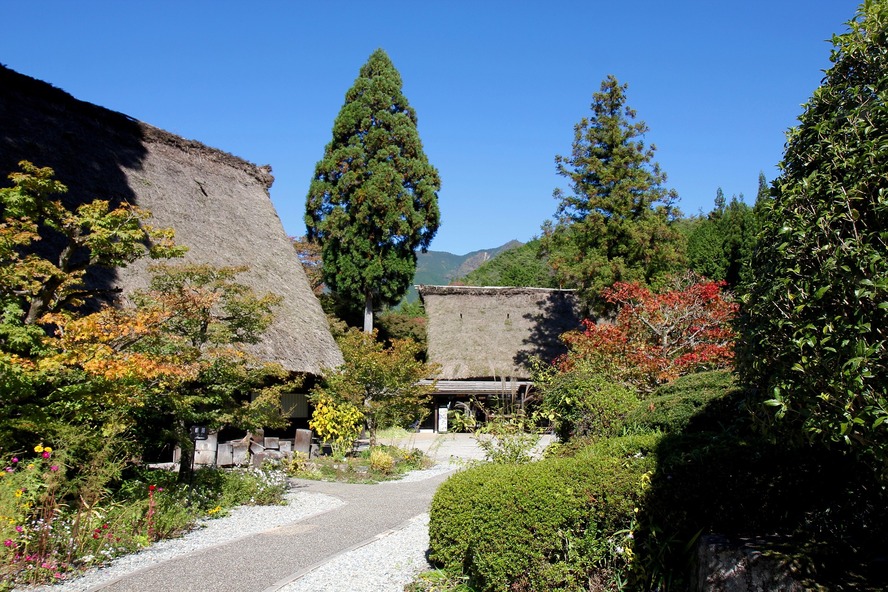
{"x": 483, "y": 338}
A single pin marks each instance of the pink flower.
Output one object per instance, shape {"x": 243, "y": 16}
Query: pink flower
{"x": 14, "y": 459}
{"x": 10, "y": 470}
{"x": 8, "y": 542}
{"x": 19, "y": 528}
{"x": 46, "y": 454}
{"x": 53, "y": 468}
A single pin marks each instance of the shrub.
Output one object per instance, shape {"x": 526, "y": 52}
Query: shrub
{"x": 672, "y": 407}
{"x": 582, "y": 402}
{"x": 815, "y": 314}
{"x": 715, "y": 473}
{"x": 381, "y": 461}
{"x": 547, "y": 525}
{"x": 337, "y": 423}
{"x": 508, "y": 441}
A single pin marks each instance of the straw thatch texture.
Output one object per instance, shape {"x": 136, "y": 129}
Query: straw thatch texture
{"x": 217, "y": 203}
{"x": 479, "y": 332}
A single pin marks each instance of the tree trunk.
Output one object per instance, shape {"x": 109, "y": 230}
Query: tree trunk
{"x": 368, "y": 313}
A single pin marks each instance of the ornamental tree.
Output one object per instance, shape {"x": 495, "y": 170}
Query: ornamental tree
{"x": 657, "y": 336}
{"x": 382, "y": 382}
{"x": 373, "y": 198}
{"x": 815, "y": 315}
{"x": 172, "y": 360}
{"x": 615, "y": 223}
{"x": 93, "y": 235}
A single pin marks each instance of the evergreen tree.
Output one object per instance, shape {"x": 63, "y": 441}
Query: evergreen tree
{"x": 815, "y": 315}
{"x": 719, "y": 203}
{"x": 706, "y": 250}
{"x": 738, "y": 229}
{"x": 616, "y": 222}
{"x": 720, "y": 245}
{"x": 764, "y": 192}
{"x": 373, "y": 198}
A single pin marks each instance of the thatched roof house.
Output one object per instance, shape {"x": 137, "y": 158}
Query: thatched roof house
{"x": 217, "y": 203}
{"x": 481, "y": 336}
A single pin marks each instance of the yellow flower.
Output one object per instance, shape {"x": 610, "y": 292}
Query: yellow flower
{"x": 18, "y": 493}
{"x": 47, "y": 449}
{"x": 31, "y": 466}
{"x": 38, "y": 448}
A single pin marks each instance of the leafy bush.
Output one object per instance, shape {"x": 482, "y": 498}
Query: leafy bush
{"x": 547, "y": 525}
{"x": 815, "y": 314}
{"x": 582, "y": 402}
{"x": 337, "y": 423}
{"x": 716, "y": 473}
{"x": 673, "y": 406}
{"x": 507, "y": 441}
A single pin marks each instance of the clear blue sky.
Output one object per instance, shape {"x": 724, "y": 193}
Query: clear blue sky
{"x": 497, "y": 86}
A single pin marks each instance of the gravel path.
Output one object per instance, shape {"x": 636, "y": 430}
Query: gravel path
{"x": 384, "y": 558}
{"x": 385, "y": 565}
{"x": 241, "y": 522}
{"x": 329, "y": 537}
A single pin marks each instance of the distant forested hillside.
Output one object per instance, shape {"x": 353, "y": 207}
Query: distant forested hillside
{"x": 522, "y": 266}
{"x": 439, "y": 268}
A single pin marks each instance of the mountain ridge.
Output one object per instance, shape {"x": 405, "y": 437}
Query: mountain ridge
{"x": 442, "y": 267}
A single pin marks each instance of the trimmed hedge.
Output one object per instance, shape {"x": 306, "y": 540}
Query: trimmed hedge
{"x": 548, "y": 525}
{"x": 585, "y": 403}
{"x": 672, "y": 407}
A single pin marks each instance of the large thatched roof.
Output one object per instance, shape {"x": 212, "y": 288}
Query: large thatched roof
{"x": 483, "y": 332}
{"x": 217, "y": 203}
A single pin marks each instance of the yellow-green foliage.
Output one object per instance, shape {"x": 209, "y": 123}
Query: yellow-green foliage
{"x": 383, "y": 382}
{"x": 381, "y": 461}
{"x": 547, "y": 525}
{"x": 338, "y": 424}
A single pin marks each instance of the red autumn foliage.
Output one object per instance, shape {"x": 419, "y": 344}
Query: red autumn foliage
{"x": 657, "y": 337}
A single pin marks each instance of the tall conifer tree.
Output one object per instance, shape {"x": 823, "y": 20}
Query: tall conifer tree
{"x": 615, "y": 224}
{"x": 373, "y": 199}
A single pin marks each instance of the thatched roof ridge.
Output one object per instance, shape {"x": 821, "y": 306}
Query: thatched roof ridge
{"x": 484, "y": 332}
{"x": 218, "y": 203}
{"x": 201, "y": 151}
